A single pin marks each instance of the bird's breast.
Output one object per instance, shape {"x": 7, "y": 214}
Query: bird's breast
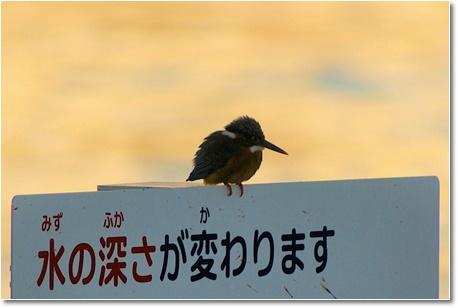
{"x": 238, "y": 169}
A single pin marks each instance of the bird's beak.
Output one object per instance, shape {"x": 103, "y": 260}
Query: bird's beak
{"x": 272, "y": 147}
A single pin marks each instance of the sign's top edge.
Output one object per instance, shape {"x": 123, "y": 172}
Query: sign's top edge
{"x": 148, "y": 185}
{"x": 185, "y": 185}
{"x": 144, "y": 185}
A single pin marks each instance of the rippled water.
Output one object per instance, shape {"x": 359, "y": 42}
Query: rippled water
{"x": 124, "y": 92}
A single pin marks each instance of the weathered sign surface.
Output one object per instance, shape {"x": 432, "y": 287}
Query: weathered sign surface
{"x": 375, "y": 238}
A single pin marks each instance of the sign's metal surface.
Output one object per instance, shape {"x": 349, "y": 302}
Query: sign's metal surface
{"x": 375, "y": 238}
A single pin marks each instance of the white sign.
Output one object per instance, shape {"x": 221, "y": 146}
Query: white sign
{"x": 375, "y": 238}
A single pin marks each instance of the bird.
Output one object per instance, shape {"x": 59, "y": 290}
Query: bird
{"x": 232, "y": 155}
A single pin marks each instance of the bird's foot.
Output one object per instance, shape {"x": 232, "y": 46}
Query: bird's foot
{"x": 241, "y": 189}
{"x": 229, "y": 189}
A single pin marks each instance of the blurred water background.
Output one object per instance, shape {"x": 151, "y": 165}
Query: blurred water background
{"x": 97, "y": 93}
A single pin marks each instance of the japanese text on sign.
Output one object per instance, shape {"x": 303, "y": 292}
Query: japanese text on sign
{"x": 107, "y": 261}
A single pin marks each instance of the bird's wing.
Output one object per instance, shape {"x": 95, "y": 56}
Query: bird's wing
{"x": 213, "y": 154}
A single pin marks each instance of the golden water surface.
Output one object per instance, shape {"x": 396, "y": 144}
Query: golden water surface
{"x": 97, "y": 93}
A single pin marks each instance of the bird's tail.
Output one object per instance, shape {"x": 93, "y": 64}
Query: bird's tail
{"x": 194, "y": 175}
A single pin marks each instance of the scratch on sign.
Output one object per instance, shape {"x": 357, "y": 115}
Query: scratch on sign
{"x": 287, "y": 291}
{"x": 249, "y": 286}
{"x": 323, "y": 285}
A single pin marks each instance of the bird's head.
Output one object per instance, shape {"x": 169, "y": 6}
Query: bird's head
{"x": 248, "y": 132}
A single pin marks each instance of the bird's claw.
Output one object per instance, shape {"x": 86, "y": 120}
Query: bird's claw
{"x": 241, "y": 189}
{"x": 229, "y": 189}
